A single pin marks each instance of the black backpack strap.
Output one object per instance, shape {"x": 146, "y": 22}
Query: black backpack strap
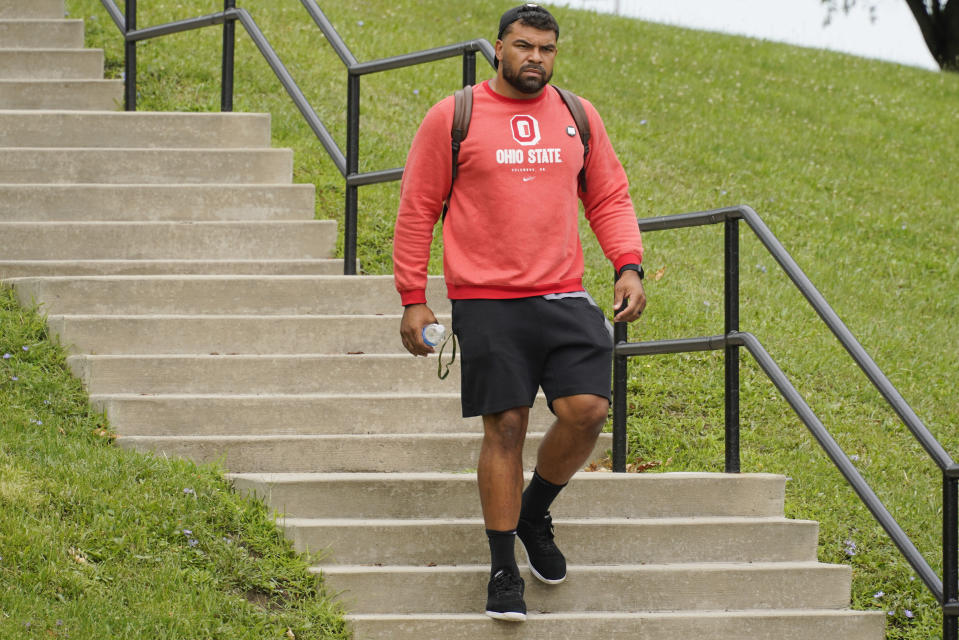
{"x": 575, "y": 106}
{"x": 462, "y": 113}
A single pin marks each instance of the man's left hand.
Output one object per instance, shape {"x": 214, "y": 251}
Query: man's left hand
{"x": 629, "y": 287}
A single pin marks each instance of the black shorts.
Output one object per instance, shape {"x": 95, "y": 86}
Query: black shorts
{"x": 510, "y": 348}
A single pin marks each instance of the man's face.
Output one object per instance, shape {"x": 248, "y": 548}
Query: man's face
{"x": 526, "y": 57}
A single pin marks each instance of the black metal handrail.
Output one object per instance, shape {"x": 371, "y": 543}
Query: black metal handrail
{"x": 347, "y": 163}
{"x": 945, "y": 590}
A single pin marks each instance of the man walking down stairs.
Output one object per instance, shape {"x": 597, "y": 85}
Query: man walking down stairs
{"x": 198, "y": 298}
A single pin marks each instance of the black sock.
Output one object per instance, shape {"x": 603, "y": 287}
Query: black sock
{"x": 502, "y": 550}
{"x": 537, "y": 497}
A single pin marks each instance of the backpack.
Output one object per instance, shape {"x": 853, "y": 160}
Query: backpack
{"x": 463, "y": 112}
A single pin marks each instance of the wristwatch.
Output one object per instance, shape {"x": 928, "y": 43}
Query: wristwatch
{"x": 638, "y": 268}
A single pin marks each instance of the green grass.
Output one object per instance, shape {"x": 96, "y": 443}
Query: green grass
{"x": 847, "y": 160}
{"x": 100, "y": 542}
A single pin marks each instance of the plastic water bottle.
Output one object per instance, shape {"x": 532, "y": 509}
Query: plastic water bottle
{"x": 433, "y": 334}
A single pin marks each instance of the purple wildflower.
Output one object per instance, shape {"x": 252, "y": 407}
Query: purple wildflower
{"x": 850, "y": 548}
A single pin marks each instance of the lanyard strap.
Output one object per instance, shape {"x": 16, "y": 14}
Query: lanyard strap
{"x": 441, "y": 370}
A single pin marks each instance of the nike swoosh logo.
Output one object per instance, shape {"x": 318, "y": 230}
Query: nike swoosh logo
{"x": 528, "y": 178}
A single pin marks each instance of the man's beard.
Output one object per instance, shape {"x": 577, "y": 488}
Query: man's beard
{"x": 525, "y": 84}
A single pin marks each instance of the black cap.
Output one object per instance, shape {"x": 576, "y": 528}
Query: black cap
{"x": 522, "y": 11}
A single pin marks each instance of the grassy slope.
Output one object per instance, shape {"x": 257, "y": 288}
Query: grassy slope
{"x": 100, "y": 542}
{"x": 847, "y": 160}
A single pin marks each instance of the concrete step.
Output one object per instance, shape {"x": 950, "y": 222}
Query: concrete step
{"x": 240, "y": 374}
{"x": 93, "y": 94}
{"x": 611, "y": 588}
{"x": 140, "y": 129}
{"x": 234, "y": 334}
{"x": 39, "y": 268}
{"x": 233, "y": 240}
{"x": 716, "y": 625}
{"x": 589, "y": 495}
{"x": 14, "y": 9}
{"x": 390, "y": 453}
{"x": 299, "y": 414}
{"x": 596, "y": 541}
{"x": 49, "y": 34}
{"x": 51, "y": 64}
{"x": 153, "y": 166}
{"x": 161, "y": 202}
{"x": 221, "y": 295}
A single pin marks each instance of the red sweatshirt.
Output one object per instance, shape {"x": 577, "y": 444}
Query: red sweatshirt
{"x": 512, "y": 226}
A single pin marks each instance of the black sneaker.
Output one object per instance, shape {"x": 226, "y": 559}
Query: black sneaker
{"x": 505, "y": 599}
{"x": 546, "y": 561}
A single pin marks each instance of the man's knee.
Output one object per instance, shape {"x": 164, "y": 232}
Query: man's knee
{"x": 506, "y": 429}
{"x": 586, "y": 413}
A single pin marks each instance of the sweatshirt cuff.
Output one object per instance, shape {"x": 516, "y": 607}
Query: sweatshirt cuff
{"x": 413, "y": 297}
{"x": 626, "y": 258}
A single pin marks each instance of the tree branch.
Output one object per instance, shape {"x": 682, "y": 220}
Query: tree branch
{"x": 949, "y": 23}
{"x": 927, "y": 27}
{"x": 950, "y": 15}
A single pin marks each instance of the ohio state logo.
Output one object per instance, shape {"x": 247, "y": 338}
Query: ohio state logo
{"x": 525, "y": 130}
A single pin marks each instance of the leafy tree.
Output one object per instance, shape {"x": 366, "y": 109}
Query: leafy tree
{"x": 938, "y": 21}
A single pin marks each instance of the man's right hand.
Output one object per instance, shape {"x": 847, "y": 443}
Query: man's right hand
{"x": 415, "y": 317}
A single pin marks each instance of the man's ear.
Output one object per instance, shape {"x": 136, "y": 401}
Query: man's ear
{"x": 498, "y": 53}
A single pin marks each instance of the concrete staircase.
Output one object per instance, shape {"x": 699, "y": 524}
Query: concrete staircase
{"x": 195, "y": 293}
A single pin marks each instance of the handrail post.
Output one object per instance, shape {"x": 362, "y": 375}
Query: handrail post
{"x": 229, "y": 48}
{"x": 130, "y": 58}
{"x": 352, "y": 168}
{"x": 620, "y": 373}
{"x": 731, "y": 294}
{"x": 469, "y": 68}
{"x": 950, "y": 554}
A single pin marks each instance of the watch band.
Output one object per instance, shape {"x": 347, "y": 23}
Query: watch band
{"x": 638, "y": 268}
